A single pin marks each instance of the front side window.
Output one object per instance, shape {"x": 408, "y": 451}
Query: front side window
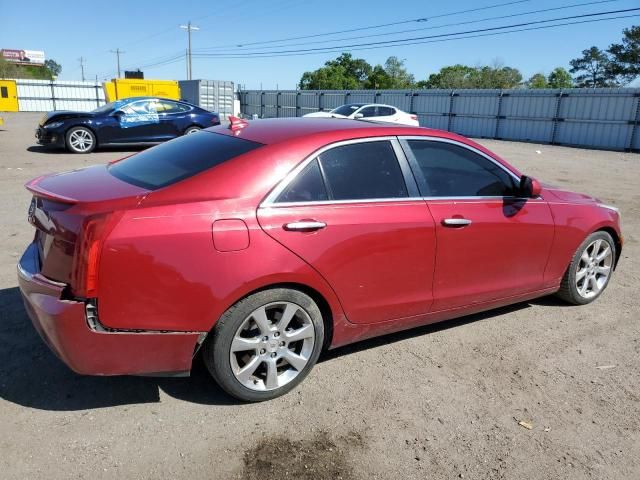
{"x": 139, "y": 108}
{"x": 453, "y": 171}
{"x": 347, "y": 109}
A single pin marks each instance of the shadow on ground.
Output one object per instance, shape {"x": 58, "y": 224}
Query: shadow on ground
{"x": 30, "y": 375}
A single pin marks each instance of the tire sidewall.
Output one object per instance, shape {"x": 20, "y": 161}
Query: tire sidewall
{"x": 68, "y": 143}
{"x": 216, "y": 351}
{"x": 575, "y": 262}
{"x": 191, "y": 129}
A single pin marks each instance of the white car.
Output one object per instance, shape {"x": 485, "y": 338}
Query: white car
{"x": 369, "y": 111}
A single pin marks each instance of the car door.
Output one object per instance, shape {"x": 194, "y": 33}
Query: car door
{"x": 353, "y": 212}
{"x": 492, "y": 244}
{"x": 137, "y": 122}
{"x": 172, "y": 117}
{"x": 367, "y": 112}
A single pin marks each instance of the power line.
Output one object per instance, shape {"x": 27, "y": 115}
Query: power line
{"x": 500, "y": 17}
{"x": 382, "y": 25}
{"x": 445, "y": 39}
{"x": 403, "y": 41}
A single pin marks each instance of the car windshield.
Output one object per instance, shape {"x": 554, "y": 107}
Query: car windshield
{"x": 178, "y": 159}
{"x": 106, "y": 107}
{"x": 347, "y": 109}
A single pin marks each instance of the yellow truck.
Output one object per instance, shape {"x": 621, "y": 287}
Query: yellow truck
{"x": 119, "y": 88}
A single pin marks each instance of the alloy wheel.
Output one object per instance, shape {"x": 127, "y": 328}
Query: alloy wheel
{"x": 81, "y": 140}
{"x": 272, "y": 346}
{"x": 594, "y": 268}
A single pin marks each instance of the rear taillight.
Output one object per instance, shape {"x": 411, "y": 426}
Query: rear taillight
{"x": 215, "y": 120}
{"x": 86, "y": 259}
{"x": 414, "y": 117}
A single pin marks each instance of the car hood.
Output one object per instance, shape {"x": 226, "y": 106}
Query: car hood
{"x": 569, "y": 196}
{"x": 63, "y": 115}
{"x": 324, "y": 115}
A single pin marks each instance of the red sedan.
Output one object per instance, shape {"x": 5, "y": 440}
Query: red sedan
{"x": 265, "y": 242}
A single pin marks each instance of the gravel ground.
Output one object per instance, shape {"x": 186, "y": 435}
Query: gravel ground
{"x": 437, "y": 402}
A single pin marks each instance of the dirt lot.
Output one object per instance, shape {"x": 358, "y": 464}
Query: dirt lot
{"x": 436, "y": 402}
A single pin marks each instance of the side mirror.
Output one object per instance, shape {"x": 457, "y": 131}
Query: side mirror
{"x": 529, "y": 187}
{"x": 358, "y": 115}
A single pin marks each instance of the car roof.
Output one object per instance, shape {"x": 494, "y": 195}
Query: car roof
{"x": 276, "y": 130}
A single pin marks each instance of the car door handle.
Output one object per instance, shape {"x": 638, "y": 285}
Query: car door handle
{"x": 305, "y": 226}
{"x": 456, "y": 222}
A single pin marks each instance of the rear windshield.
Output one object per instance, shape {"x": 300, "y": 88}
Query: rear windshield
{"x": 179, "y": 159}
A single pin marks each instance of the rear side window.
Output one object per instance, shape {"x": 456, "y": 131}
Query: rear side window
{"x": 386, "y": 111}
{"x": 454, "y": 171}
{"x": 308, "y": 186}
{"x": 178, "y": 159}
{"x": 367, "y": 170}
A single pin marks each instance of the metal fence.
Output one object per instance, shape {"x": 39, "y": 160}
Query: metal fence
{"x": 606, "y": 118}
{"x": 46, "y": 95}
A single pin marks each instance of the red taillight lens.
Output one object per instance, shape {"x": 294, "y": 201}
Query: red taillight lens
{"x": 86, "y": 260}
{"x": 215, "y": 120}
{"x": 414, "y": 117}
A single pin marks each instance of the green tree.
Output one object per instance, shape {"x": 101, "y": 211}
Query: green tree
{"x": 496, "y": 76}
{"x": 454, "y": 76}
{"x": 537, "y": 80}
{"x": 560, "y": 78}
{"x": 378, "y": 79}
{"x": 625, "y": 56}
{"x": 593, "y": 69}
{"x": 345, "y": 72}
{"x": 53, "y": 67}
{"x": 400, "y": 78}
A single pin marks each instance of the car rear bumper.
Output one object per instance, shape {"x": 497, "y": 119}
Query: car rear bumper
{"x": 63, "y": 326}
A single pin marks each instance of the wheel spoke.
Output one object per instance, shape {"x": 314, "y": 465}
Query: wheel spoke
{"x": 245, "y": 373}
{"x": 583, "y": 288}
{"x": 596, "y": 249}
{"x": 241, "y": 344}
{"x": 272, "y": 374}
{"x": 580, "y": 274}
{"x": 260, "y": 317}
{"x": 296, "y": 361}
{"x": 289, "y": 311}
{"x": 299, "y": 334}
{"x": 603, "y": 270}
{"x": 585, "y": 256}
{"x": 604, "y": 254}
{"x": 595, "y": 288}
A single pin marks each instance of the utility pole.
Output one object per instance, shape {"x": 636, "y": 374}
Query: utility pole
{"x": 118, "y": 52}
{"x": 189, "y": 28}
{"x": 81, "y": 60}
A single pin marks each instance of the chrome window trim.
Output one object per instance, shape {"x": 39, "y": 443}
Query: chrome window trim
{"x": 396, "y": 142}
{"x": 270, "y": 199}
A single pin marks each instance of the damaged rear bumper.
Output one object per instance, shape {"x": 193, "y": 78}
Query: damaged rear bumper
{"x": 91, "y": 350}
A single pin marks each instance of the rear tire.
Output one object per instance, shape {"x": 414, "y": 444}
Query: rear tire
{"x": 265, "y": 344}
{"x": 80, "y": 140}
{"x": 192, "y": 129}
{"x": 590, "y": 270}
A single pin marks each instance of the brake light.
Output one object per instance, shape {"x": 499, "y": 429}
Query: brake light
{"x": 86, "y": 260}
{"x": 414, "y": 117}
{"x": 215, "y": 120}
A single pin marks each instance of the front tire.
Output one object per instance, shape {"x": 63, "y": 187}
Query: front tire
{"x": 265, "y": 345}
{"x": 590, "y": 270}
{"x": 80, "y": 140}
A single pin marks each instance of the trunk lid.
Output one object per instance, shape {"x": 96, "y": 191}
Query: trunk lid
{"x": 63, "y": 203}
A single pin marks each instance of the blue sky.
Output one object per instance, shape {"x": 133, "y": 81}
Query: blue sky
{"x": 149, "y": 33}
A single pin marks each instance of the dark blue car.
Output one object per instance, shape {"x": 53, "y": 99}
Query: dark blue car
{"x": 136, "y": 120}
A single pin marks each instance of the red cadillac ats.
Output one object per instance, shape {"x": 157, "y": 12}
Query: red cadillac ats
{"x": 263, "y": 243}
